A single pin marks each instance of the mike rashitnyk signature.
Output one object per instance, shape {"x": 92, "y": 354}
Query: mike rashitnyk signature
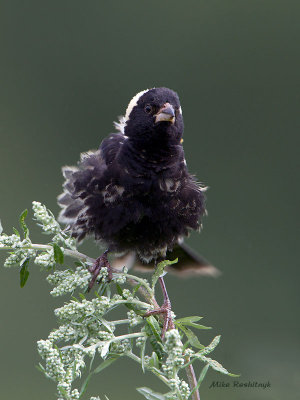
{"x": 238, "y": 384}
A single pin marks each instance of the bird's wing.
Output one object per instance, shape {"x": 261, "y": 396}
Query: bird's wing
{"x": 85, "y": 184}
{"x": 190, "y": 263}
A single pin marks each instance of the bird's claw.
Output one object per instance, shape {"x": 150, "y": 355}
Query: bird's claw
{"x": 166, "y": 313}
{"x": 95, "y": 269}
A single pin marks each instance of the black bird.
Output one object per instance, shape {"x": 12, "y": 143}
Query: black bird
{"x": 135, "y": 194}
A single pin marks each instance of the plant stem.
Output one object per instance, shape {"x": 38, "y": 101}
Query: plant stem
{"x": 71, "y": 253}
{"x": 192, "y": 381}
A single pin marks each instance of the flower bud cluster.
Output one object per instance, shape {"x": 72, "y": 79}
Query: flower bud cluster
{"x": 180, "y": 388}
{"x": 62, "y": 366}
{"x": 45, "y": 218}
{"x": 184, "y": 389}
{"x": 76, "y": 310}
{"x": 134, "y": 319}
{"x": 188, "y": 352}
{"x": 45, "y": 259}
{"x": 68, "y": 280}
{"x": 13, "y": 241}
{"x": 64, "y": 332}
{"x": 173, "y": 347}
{"x": 66, "y": 240}
{"x": 140, "y": 341}
{"x": 54, "y": 365}
{"x": 120, "y": 278}
{"x": 19, "y": 253}
{"x": 117, "y": 347}
{"x": 47, "y": 221}
{"x": 127, "y": 294}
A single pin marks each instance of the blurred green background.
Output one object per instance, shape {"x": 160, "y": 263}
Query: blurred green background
{"x": 68, "y": 69}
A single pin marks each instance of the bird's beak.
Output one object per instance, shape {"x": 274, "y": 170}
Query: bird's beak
{"x": 166, "y": 113}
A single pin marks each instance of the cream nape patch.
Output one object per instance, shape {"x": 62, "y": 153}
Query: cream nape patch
{"x": 133, "y": 102}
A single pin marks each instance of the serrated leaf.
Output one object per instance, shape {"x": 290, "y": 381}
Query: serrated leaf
{"x": 159, "y": 271}
{"x": 58, "y": 254}
{"x": 149, "y": 394}
{"x": 188, "y": 319}
{"x": 192, "y": 338}
{"x": 23, "y": 224}
{"x": 215, "y": 365}
{"x": 24, "y": 273}
{"x": 214, "y": 343}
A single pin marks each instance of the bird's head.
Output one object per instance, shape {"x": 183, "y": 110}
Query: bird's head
{"x": 154, "y": 115}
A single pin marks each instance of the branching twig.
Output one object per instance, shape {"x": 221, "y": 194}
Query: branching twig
{"x": 84, "y": 328}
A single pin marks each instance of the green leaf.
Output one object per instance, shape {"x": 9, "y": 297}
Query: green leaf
{"x": 188, "y": 319}
{"x": 153, "y": 360}
{"x": 142, "y": 355}
{"x": 150, "y": 395}
{"x": 58, "y": 253}
{"x": 214, "y": 365}
{"x": 159, "y": 271}
{"x": 85, "y": 383}
{"x": 78, "y": 263}
{"x": 155, "y": 341}
{"x": 196, "y": 326}
{"x": 201, "y": 377}
{"x": 24, "y": 273}
{"x": 23, "y": 224}
{"x": 40, "y": 368}
{"x": 214, "y": 343}
{"x": 136, "y": 288}
{"x": 1, "y": 228}
{"x": 192, "y": 338}
{"x": 16, "y": 232}
{"x": 105, "y": 364}
{"x": 154, "y": 325}
{"x": 119, "y": 289}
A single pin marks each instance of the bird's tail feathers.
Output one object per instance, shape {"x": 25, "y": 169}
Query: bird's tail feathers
{"x": 190, "y": 263}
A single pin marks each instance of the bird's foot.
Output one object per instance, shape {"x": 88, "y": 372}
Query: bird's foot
{"x": 95, "y": 269}
{"x": 166, "y": 313}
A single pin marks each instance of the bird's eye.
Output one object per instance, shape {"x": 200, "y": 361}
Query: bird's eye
{"x": 148, "y": 108}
